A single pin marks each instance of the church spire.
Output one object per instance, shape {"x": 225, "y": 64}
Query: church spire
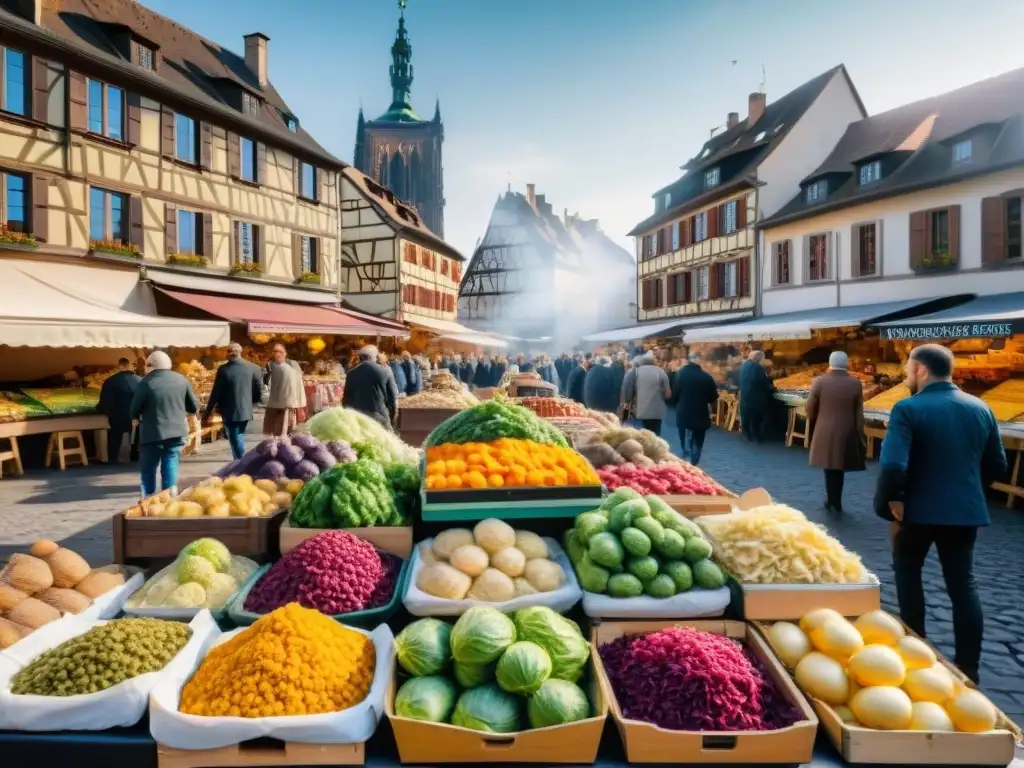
{"x": 401, "y": 66}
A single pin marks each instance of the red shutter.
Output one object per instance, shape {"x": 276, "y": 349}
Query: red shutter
{"x": 687, "y": 286}
{"x": 659, "y": 293}
{"x": 993, "y": 231}
{"x": 918, "y": 237}
{"x": 954, "y": 234}
{"x": 672, "y": 294}
{"x": 77, "y": 93}
{"x": 685, "y": 237}
{"x": 744, "y": 276}
{"x": 715, "y": 281}
{"x": 741, "y": 213}
{"x": 712, "y": 222}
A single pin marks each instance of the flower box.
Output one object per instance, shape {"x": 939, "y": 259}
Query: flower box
{"x": 188, "y": 260}
{"x": 246, "y": 268}
{"x": 309, "y": 278}
{"x": 17, "y": 238}
{"x": 115, "y": 248}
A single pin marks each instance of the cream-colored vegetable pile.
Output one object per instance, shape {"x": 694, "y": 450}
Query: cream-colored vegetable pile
{"x": 440, "y": 398}
{"x": 776, "y": 544}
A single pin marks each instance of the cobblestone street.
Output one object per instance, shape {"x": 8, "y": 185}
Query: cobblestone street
{"x": 75, "y": 507}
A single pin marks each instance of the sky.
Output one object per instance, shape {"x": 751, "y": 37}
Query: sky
{"x": 597, "y": 102}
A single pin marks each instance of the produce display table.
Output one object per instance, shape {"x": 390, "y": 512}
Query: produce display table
{"x": 83, "y": 422}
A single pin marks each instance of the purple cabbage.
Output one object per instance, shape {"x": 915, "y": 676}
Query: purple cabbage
{"x": 322, "y": 457}
{"x": 229, "y": 470}
{"x": 289, "y": 455}
{"x": 306, "y": 442}
{"x": 341, "y": 450}
{"x": 267, "y": 448}
{"x": 272, "y": 470}
{"x": 304, "y": 470}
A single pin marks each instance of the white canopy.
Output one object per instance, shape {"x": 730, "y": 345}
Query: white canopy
{"x": 448, "y": 329}
{"x": 51, "y": 304}
{"x": 477, "y": 338}
{"x": 662, "y": 327}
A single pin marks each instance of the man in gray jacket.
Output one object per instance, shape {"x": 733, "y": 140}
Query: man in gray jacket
{"x": 646, "y": 391}
{"x": 287, "y": 394}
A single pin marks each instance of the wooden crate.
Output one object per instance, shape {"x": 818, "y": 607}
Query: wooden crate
{"x": 432, "y": 743}
{"x": 696, "y": 506}
{"x": 262, "y": 752}
{"x": 396, "y": 539}
{"x": 414, "y": 424}
{"x": 777, "y": 602}
{"x": 648, "y": 743}
{"x": 143, "y": 540}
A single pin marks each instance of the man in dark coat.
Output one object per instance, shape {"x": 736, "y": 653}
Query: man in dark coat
{"x": 694, "y": 393}
{"x": 619, "y": 369}
{"x": 525, "y": 366}
{"x": 599, "y": 392}
{"x": 500, "y": 365}
{"x": 396, "y": 371}
{"x": 483, "y": 376}
{"x": 237, "y": 387}
{"x": 370, "y": 388}
{"x": 577, "y": 377}
{"x": 115, "y": 403}
{"x": 413, "y": 374}
{"x": 755, "y": 395}
{"x": 563, "y": 365}
{"x": 835, "y": 418}
{"x": 466, "y": 371}
{"x": 941, "y": 452}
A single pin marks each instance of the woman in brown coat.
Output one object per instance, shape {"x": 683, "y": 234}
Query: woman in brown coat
{"x": 835, "y": 416}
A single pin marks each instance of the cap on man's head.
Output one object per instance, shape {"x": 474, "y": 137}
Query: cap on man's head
{"x": 838, "y": 360}
{"x": 234, "y": 349}
{"x": 158, "y": 361}
{"x": 369, "y": 352}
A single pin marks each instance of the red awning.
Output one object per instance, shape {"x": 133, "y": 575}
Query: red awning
{"x": 274, "y": 317}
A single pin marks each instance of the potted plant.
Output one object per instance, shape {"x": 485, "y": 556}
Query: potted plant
{"x": 309, "y": 278}
{"x": 940, "y": 258}
{"x": 13, "y": 237}
{"x": 196, "y": 260}
{"x": 248, "y": 268}
{"x": 115, "y": 248}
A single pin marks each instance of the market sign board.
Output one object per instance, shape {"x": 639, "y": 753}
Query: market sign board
{"x": 956, "y": 330}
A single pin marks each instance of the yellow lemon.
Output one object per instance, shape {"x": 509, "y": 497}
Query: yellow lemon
{"x": 837, "y": 638}
{"x": 929, "y": 716}
{"x": 879, "y": 627}
{"x": 932, "y": 684}
{"x": 789, "y": 642}
{"x": 971, "y": 712}
{"x": 877, "y": 665}
{"x": 814, "y": 619}
{"x": 882, "y": 706}
{"x": 823, "y": 678}
{"x": 915, "y": 652}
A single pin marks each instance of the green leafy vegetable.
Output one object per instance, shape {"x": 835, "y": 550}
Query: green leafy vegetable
{"x": 523, "y": 668}
{"x": 423, "y": 647}
{"x": 556, "y": 703}
{"x": 430, "y": 698}
{"x": 481, "y": 635}
{"x": 559, "y": 636}
{"x": 360, "y": 430}
{"x": 487, "y": 708}
{"x": 492, "y": 420}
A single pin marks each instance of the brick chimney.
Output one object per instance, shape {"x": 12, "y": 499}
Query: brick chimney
{"x": 732, "y": 120}
{"x": 756, "y": 107}
{"x": 531, "y": 195}
{"x": 256, "y": 55}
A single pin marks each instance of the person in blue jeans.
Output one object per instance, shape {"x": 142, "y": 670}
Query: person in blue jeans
{"x": 237, "y": 387}
{"x": 162, "y": 404}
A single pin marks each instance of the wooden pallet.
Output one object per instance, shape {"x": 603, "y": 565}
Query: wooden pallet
{"x": 262, "y": 752}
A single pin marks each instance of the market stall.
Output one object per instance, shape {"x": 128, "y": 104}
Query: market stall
{"x": 550, "y": 591}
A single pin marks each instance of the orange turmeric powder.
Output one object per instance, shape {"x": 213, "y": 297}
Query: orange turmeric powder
{"x": 293, "y": 661}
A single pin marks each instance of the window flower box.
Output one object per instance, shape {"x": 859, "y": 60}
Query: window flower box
{"x": 115, "y": 248}
{"x": 196, "y": 260}
{"x": 309, "y": 278}
{"x": 246, "y": 268}
{"x": 937, "y": 261}
{"x": 12, "y": 237}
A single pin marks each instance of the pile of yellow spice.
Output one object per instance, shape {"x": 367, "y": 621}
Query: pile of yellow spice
{"x": 294, "y": 661}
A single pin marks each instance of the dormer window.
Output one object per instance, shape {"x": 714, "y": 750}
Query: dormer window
{"x": 870, "y": 172}
{"x": 706, "y": 151}
{"x": 667, "y": 200}
{"x": 711, "y": 178}
{"x": 816, "y": 192}
{"x": 250, "y": 105}
{"x": 962, "y": 151}
{"x": 145, "y": 56}
{"x": 290, "y": 122}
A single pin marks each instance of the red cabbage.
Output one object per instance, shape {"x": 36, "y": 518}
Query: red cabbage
{"x": 272, "y": 470}
{"x": 267, "y": 448}
{"x": 322, "y": 457}
{"x": 304, "y": 470}
{"x": 688, "y": 680}
{"x": 289, "y": 455}
{"x": 306, "y": 442}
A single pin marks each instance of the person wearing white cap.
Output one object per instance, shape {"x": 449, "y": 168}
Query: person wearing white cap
{"x": 287, "y": 393}
{"x": 370, "y": 388}
{"x": 162, "y": 404}
{"x": 237, "y": 387}
{"x": 835, "y": 418}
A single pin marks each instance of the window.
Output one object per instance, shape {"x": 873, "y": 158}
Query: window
{"x": 730, "y": 279}
{"x": 729, "y": 217}
{"x": 188, "y": 232}
{"x": 15, "y": 209}
{"x": 870, "y": 172}
{"x": 145, "y": 57}
{"x": 780, "y": 251}
{"x": 290, "y": 122}
{"x": 675, "y": 235}
{"x": 409, "y": 254}
{"x": 14, "y": 82}
{"x": 105, "y": 109}
{"x": 700, "y": 227}
{"x": 711, "y": 178}
{"x": 668, "y": 200}
{"x": 248, "y": 243}
{"x": 935, "y": 238}
{"x": 867, "y": 250}
{"x": 703, "y": 283}
{"x": 704, "y": 153}
{"x": 678, "y": 286}
{"x": 248, "y": 149}
{"x": 307, "y": 181}
{"x": 1013, "y": 229}
{"x": 184, "y": 138}
{"x": 962, "y": 151}
{"x": 817, "y": 191}
{"x": 444, "y": 267}
{"x": 940, "y": 232}
{"x": 250, "y": 105}
{"x": 652, "y": 297}
{"x": 309, "y": 256}
{"x": 817, "y": 258}
{"x": 648, "y": 244}
{"x": 108, "y": 219}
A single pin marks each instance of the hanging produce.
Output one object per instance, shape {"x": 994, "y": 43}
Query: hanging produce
{"x": 505, "y": 462}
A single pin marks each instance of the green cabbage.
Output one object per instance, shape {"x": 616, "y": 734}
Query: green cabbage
{"x": 354, "y": 427}
{"x": 195, "y": 568}
{"x": 481, "y": 635}
{"x": 429, "y": 698}
{"x": 212, "y": 550}
{"x": 487, "y": 708}
{"x": 473, "y": 675}
{"x": 423, "y": 647}
{"x": 523, "y": 668}
{"x": 556, "y": 703}
{"x": 557, "y": 635}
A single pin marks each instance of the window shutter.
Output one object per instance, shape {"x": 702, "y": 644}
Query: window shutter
{"x": 692, "y": 229}
{"x": 261, "y": 163}
{"x": 831, "y": 254}
{"x": 134, "y": 118}
{"x": 744, "y": 276}
{"x": 296, "y": 255}
{"x": 954, "y": 234}
{"x": 236, "y": 242}
{"x": 166, "y": 132}
{"x": 741, "y": 213}
{"x": 712, "y": 222}
{"x": 170, "y": 228}
{"x": 688, "y": 286}
{"x": 206, "y": 145}
{"x": 714, "y": 284}
{"x": 77, "y": 96}
{"x": 321, "y": 187}
{"x": 137, "y": 233}
{"x": 918, "y": 237}
{"x": 234, "y": 156}
{"x": 855, "y": 250}
{"x": 207, "y": 226}
{"x": 993, "y": 231}
{"x": 41, "y": 207}
{"x": 879, "y": 239}
{"x": 659, "y": 293}
{"x": 685, "y": 236}
{"x": 296, "y": 170}
{"x": 806, "y": 245}
{"x": 40, "y": 90}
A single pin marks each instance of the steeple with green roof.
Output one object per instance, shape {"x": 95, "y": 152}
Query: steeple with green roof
{"x": 401, "y": 71}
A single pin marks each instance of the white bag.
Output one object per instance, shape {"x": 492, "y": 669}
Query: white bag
{"x": 419, "y": 603}
{"x": 697, "y": 603}
{"x": 119, "y": 706}
{"x": 109, "y": 604}
{"x": 354, "y": 725}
